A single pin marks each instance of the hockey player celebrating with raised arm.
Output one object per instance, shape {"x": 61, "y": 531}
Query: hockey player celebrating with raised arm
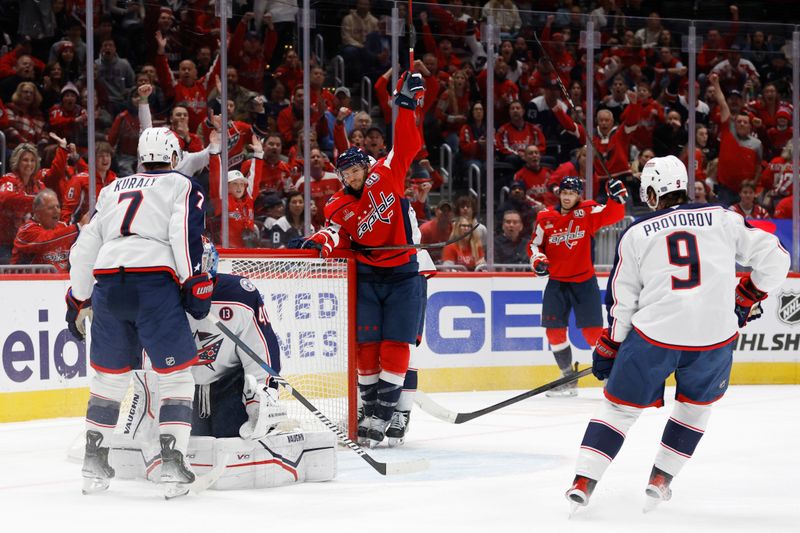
{"x": 561, "y": 247}
{"x": 137, "y": 265}
{"x": 372, "y": 211}
{"x": 673, "y": 306}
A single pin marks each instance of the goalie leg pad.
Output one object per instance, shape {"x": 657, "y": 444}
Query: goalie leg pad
{"x": 682, "y": 433}
{"x": 604, "y": 437}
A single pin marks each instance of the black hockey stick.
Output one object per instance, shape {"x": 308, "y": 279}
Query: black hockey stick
{"x": 443, "y": 413}
{"x": 571, "y": 105}
{"x": 385, "y": 469}
{"x": 432, "y": 246}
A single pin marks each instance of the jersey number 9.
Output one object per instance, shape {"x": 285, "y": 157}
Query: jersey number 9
{"x": 682, "y": 249}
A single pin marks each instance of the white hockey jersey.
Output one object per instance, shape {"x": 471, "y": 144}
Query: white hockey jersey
{"x": 674, "y": 276}
{"x": 151, "y": 221}
{"x": 238, "y": 304}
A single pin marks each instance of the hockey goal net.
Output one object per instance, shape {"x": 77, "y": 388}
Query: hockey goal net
{"x": 310, "y": 303}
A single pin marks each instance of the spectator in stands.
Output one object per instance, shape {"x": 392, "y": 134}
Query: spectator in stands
{"x": 290, "y": 120}
{"x": 705, "y": 144}
{"x": 290, "y": 72}
{"x": 466, "y": 206}
{"x": 740, "y": 154}
{"x": 290, "y": 226}
{"x": 339, "y": 118}
{"x": 443, "y": 49}
{"x": 555, "y": 45}
{"x": 45, "y": 240}
{"x": 535, "y": 178}
{"x": 715, "y": 45}
{"x": 438, "y": 228}
{"x": 268, "y": 209}
{"x": 613, "y": 144}
{"x": 323, "y": 184}
{"x": 124, "y": 133}
{"x": 277, "y": 101}
{"x": 76, "y": 188}
{"x": 275, "y": 173}
{"x": 250, "y": 53}
{"x": 378, "y": 50}
{"x": 179, "y": 123}
{"x": 511, "y": 246}
{"x": 518, "y": 201}
{"x": 651, "y": 114}
{"x": 24, "y": 71}
{"x": 652, "y": 29}
{"x": 747, "y": 206}
{"x": 782, "y": 132}
{"x": 667, "y": 70}
{"x": 52, "y": 83}
{"x": 26, "y": 122}
{"x": 776, "y": 179}
{"x": 355, "y": 27}
{"x": 784, "y": 208}
{"x": 375, "y": 142}
{"x": 617, "y": 100}
{"x": 453, "y": 107}
{"x": 513, "y": 137}
{"x": 241, "y": 96}
{"x": 641, "y": 160}
{"x": 466, "y": 252}
{"x": 670, "y": 137}
{"x": 74, "y": 55}
{"x": 735, "y": 71}
{"x": 64, "y": 117}
{"x": 506, "y": 16}
{"x": 472, "y": 138}
{"x": 702, "y": 193}
{"x": 780, "y": 73}
{"x": 284, "y": 18}
{"x": 116, "y": 75}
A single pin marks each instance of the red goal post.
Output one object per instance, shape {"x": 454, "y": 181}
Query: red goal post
{"x": 311, "y": 305}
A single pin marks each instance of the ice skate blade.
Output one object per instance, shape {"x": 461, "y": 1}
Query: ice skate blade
{"x": 373, "y": 443}
{"x": 92, "y": 485}
{"x": 393, "y": 442}
{"x": 573, "y": 506}
{"x": 175, "y": 490}
{"x": 650, "y": 503}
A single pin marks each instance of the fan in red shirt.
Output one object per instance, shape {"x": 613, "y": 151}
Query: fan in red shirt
{"x": 290, "y": 119}
{"x": 290, "y": 72}
{"x": 45, "y": 240}
{"x": 275, "y": 174}
{"x": 505, "y": 90}
{"x": 513, "y": 137}
{"x": 651, "y": 114}
{"x": 187, "y": 90}
{"x": 241, "y": 213}
{"x": 240, "y": 134}
{"x": 557, "y": 50}
{"x": 323, "y": 184}
{"x": 535, "y": 178}
{"x": 782, "y": 132}
{"x": 65, "y": 117}
{"x": 747, "y": 206}
{"x": 76, "y": 190}
{"x": 443, "y": 49}
{"x": 250, "y": 55}
{"x": 562, "y": 248}
{"x": 613, "y": 143}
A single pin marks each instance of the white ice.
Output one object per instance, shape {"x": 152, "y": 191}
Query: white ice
{"x": 506, "y": 471}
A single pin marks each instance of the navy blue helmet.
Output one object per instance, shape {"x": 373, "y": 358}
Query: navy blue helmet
{"x": 571, "y": 183}
{"x": 350, "y": 157}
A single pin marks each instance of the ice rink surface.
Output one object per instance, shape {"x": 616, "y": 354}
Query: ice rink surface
{"x": 504, "y": 472}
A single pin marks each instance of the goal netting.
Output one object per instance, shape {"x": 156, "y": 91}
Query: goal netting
{"x": 308, "y": 302}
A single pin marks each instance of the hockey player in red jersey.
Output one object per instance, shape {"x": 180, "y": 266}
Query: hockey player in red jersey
{"x": 561, "y": 247}
{"x": 372, "y": 211}
{"x": 674, "y": 307}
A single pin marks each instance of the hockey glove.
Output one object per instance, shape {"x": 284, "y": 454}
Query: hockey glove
{"x": 264, "y": 413}
{"x": 325, "y": 240}
{"x": 197, "y": 291}
{"x": 77, "y": 312}
{"x": 616, "y": 190}
{"x": 410, "y": 90}
{"x": 540, "y": 265}
{"x": 747, "y": 298}
{"x": 605, "y": 351}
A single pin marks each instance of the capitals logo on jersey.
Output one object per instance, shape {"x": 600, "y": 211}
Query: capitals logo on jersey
{"x": 567, "y": 236}
{"x": 210, "y": 346}
{"x": 377, "y": 212}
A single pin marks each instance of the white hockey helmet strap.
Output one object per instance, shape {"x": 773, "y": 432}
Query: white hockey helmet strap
{"x": 157, "y": 145}
{"x": 664, "y": 175}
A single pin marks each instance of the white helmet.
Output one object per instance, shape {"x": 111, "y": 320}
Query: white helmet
{"x": 664, "y": 175}
{"x": 156, "y": 145}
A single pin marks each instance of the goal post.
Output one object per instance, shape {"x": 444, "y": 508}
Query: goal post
{"x": 311, "y": 305}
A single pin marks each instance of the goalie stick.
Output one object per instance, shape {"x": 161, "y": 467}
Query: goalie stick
{"x": 443, "y": 413}
{"x": 385, "y": 469}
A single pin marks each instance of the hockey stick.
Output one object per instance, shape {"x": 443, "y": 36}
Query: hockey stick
{"x": 443, "y": 413}
{"x": 385, "y": 469}
{"x": 432, "y": 246}
{"x": 205, "y": 481}
{"x": 571, "y": 105}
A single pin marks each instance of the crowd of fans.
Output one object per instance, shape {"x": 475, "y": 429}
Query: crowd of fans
{"x": 156, "y": 63}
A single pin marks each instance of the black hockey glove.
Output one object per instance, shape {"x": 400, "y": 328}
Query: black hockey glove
{"x": 748, "y": 297}
{"x": 77, "y": 311}
{"x": 616, "y": 190}
{"x": 410, "y": 90}
{"x": 196, "y": 294}
{"x": 603, "y": 356}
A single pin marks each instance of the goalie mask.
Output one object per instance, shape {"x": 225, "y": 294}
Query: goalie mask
{"x": 210, "y": 260}
{"x": 663, "y": 175}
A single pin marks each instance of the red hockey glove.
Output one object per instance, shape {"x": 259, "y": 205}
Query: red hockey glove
{"x": 197, "y": 291}
{"x": 325, "y": 240}
{"x": 616, "y": 190}
{"x": 747, "y": 298}
{"x": 410, "y": 90}
{"x": 77, "y": 311}
{"x": 540, "y": 265}
{"x": 605, "y": 351}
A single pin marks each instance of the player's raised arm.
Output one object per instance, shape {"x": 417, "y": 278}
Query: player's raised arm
{"x": 407, "y": 140}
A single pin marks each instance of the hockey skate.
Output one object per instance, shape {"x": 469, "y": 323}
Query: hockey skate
{"x": 398, "y": 427}
{"x": 377, "y": 431}
{"x": 97, "y": 473}
{"x": 568, "y": 390}
{"x": 175, "y": 473}
{"x": 657, "y": 489}
{"x": 580, "y": 492}
{"x": 363, "y": 426}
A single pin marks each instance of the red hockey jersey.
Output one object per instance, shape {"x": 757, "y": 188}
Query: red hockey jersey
{"x": 35, "y": 245}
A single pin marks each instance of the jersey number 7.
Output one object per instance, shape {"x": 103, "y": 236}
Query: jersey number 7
{"x": 682, "y": 250}
{"x": 136, "y": 200}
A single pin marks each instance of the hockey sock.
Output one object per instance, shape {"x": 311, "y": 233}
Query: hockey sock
{"x": 681, "y": 435}
{"x": 106, "y": 392}
{"x": 175, "y": 414}
{"x": 394, "y": 365}
{"x": 591, "y": 335}
{"x": 564, "y": 358}
{"x": 368, "y": 370}
{"x": 406, "y": 401}
{"x": 604, "y": 437}
{"x": 557, "y": 337}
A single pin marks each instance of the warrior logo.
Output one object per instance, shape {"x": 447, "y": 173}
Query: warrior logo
{"x": 377, "y": 213}
{"x": 210, "y": 344}
{"x": 789, "y": 308}
{"x": 568, "y": 237}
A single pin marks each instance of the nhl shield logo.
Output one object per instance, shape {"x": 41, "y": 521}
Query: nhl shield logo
{"x": 789, "y": 308}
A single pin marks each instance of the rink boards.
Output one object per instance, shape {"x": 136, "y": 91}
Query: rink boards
{"x": 482, "y": 332}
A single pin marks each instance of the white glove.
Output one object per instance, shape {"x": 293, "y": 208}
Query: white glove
{"x": 264, "y": 413}
{"x": 83, "y": 314}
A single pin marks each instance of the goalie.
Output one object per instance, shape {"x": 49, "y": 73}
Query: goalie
{"x": 235, "y": 432}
